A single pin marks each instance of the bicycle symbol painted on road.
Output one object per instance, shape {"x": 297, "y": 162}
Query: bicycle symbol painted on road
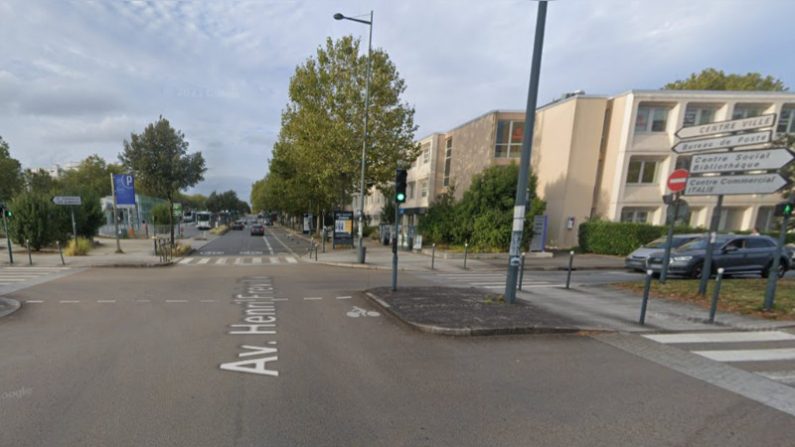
{"x": 357, "y": 312}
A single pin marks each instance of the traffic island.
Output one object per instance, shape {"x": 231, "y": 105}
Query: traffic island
{"x": 8, "y": 306}
{"x": 467, "y": 311}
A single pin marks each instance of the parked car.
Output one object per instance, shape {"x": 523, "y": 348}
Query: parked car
{"x": 734, "y": 253}
{"x": 237, "y": 225}
{"x": 258, "y": 230}
{"x": 638, "y": 259}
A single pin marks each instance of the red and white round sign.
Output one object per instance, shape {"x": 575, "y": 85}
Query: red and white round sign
{"x": 677, "y": 181}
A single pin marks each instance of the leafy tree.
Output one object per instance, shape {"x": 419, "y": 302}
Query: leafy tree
{"x": 226, "y": 201}
{"x": 258, "y": 198}
{"x": 33, "y": 216}
{"x": 192, "y": 201}
{"x": 160, "y": 161}
{"x": 438, "y": 223}
{"x": 388, "y": 210}
{"x": 92, "y": 176}
{"x": 160, "y": 213}
{"x": 11, "y": 179}
{"x": 712, "y": 79}
{"x": 39, "y": 182}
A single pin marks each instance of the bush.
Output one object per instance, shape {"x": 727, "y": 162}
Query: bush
{"x": 79, "y": 247}
{"x": 35, "y": 218}
{"x": 182, "y": 250}
{"x": 219, "y": 230}
{"x": 621, "y": 238}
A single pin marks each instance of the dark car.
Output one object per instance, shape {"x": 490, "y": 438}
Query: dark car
{"x": 638, "y": 259}
{"x": 237, "y": 225}
{"x": 268, "y": 222}
{"x": 258, "y": 230}
{"x": 734, "y": 253}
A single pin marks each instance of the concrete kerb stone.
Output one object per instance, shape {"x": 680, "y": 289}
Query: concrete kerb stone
{"x": 8, "y": 306}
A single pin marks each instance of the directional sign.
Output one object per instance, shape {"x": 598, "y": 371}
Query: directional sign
{"x": 717, "y": 143}
{"x": 761, "y": 160}
{"x": 743, "y": 124}
{"x": 734, "y": 184}
{"x": 66, "y": 200}
{"x": 678, "y": 180}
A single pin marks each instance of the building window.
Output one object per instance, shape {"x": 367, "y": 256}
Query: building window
{"x": 426, "y": 153}
{"x": 651, "y": 119}
{"x": 698, "y": 115}
{"x": 509, "y": 139}
{"x": 642, "y": 170}
{"x": 765, "y": 219}
{"x": 683, "y": 162}
{"x": 448, "y": 154}
{"x": 747, "y": 111}
{"x": 410, "y": 190}
{"x": 786, "y": 122}
{"x": 636, "y": 215}
{"x": 424, "y": 188}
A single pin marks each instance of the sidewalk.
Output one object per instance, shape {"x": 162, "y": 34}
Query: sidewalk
{"x": 136, "y": 253}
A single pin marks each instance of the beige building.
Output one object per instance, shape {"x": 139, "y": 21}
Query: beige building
{"x": 598, "y": 156}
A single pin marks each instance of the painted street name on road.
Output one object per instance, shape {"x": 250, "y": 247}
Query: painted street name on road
{"x": 734, "y": 184}
{"x": 761, "y": 160}
{"x": 259, "y": 318}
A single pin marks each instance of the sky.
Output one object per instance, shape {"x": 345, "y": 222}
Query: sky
{"x": 77, "y": 77}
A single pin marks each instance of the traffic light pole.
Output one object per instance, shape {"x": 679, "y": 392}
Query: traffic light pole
{"x": 395, "y": 247}
{"x": 772, "y": 275}
{"x": 8, "y": 238}
{"x": 669, "y": 239}
{"x": 706, "y": 269}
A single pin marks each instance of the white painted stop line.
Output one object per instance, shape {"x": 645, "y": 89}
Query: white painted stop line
{"x": 749, "y": 355}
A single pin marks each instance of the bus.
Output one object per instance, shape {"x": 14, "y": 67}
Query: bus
{"x": 203, "y": 220}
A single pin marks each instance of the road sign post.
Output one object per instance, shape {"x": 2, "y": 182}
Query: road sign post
{"x": 115, "y": 214}
{"x": 706, "y": 269}
{"x": 772, "y": 274}
{"x": 670, "y": 236}
{"x": 8, "y": 237}
{"x": 71, "y": 202}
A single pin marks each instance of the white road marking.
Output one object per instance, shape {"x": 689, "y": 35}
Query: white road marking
{"x": 221, "y": 261}
{"x": 357, "y": 312}
{"x": 290, "y": 260}
{"x": 721, "y": 337}
{"x": 69, "y": 301}
{"x": 238, "y": 260}
{"x": 34, "y": 301}
{"x": 344, "y": 297}
{"x": 142, "y": 301}
{"x": 279, "y": 299}
{"x": 203, "y": 261}
{"x": 274, "y": 260}
{"x": 186, "y": 261}
{"x": 256, "y": 260}
{"x": 106, "y": 301}
{"x": 313, "y": 298}
{"x": 749, "y": 355}
{"x": 207, "y": 301}
{"x": 270, "y": 249}
{"x": 787, "y": 377}
{"x": 176, "y": 301}
{"x": 280, "y": 241}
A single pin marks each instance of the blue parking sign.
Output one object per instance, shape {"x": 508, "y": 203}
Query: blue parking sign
{"x": 124, "y": 189}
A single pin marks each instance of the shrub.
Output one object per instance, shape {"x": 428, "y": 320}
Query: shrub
{"x": 79, "y": 247}
{"x": 219, "y": 230}
{"x": 182, "y": 250}
{"x": 621, "y": 238}
{"x": 33, "y": 217}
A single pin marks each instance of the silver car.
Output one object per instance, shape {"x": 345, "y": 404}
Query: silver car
{"x": 638, "y": 259}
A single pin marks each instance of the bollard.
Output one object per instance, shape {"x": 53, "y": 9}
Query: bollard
{"x": 521, "y": 272}
{"x": 433, "y": 255}
{"x": 713, "y": 307}
{"x": 646, "y": 288}
{"x": 30, "y": 259}
{"x": 568, "y": 273}
{"x": 60, "y": 252}
{"x": 466, "y": 250}
{"x": 155, "y": 242}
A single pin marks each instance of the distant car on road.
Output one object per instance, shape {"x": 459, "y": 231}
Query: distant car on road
{"x": 268, "y": 222}
{"x": 258, "y": 230}
{"x": 734, "y": 253}
{"x": 237, "y": 225}
{"x": 638, "y": 259}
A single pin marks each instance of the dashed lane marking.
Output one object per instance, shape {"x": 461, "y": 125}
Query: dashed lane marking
{"x": 176, "y": 301}
{"x": 203, "y": 261}
{"x": 267, "y": 242}
{"x": 106, "y": 301}
{"x": 207, "y": 301}
{"x": 69, "y": 301}
{"x": 344, "y": 297}
{"x": 313, "y": 298}
{"x": 34, "y": 301}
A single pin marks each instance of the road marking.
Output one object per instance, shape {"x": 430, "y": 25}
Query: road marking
{"x": 186, "y": 261}
{"x": 34, "y": 301}
{"x": 502, "y": 284}
{"x": 207, "y": 301}
{"x": 273, "y": 234}
{"x": 69, "y": 301}
{"x": 274, "y": 259}
{"x": 176, "y": 301}
{"x": 749, "y": 355}
{"x": 721, "y": 337}
{"x": 357, "y": 312}
{"x": 256, "y": 260}
{"x": 313, "y": 298}
{"x": 279, "y": 299}
{"x": 221, "y": 261}
{"x": 106, "y": 301}
{"x": 238, "y": 260}
{"x": 379, "y": 300}
{"x": 203, "y": 261}
{"x": 290, "y": 260}
{"x": 344, "y": 297}
{"x": 531, "y": 286}
{"x": 787, "y": 377}
{"x": 142, "y": 301}
{"x": 270, "y": 249}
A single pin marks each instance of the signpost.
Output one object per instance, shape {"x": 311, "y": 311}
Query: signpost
{"x": 676, "y": 183}
{"x": 725, "y": 142}
{"x": 678, "y": 180}
{"x": 735, "y": 184}
{"x": 123, "y": 190}
{"x": 70, "y": 201}
{"x": 742, "y": 124}
{"x": 538, "y": 242}
{"x": 754, "y": 160}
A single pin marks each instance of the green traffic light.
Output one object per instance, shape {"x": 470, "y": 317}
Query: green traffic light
{"x": 788, "y": 209}
{"x": 401, "y": 197}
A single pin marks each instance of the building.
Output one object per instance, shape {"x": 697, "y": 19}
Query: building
{"x": 597, "y": 157}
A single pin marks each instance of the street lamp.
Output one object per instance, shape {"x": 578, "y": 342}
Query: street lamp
{"x": 338, "y": 16}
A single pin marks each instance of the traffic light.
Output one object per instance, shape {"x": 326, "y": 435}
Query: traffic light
{"x": 784, "y": 209}
{"x": 400, "y": 185}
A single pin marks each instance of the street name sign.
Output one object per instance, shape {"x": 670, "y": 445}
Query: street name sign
{"x": 743, "y": 124}
{"x": 678, "y": 180}
{"x": 756, "y": 160}
{"x": 717, "y": 143}
{"x": 66, "y": 200}
{"x": 735, "y": 184}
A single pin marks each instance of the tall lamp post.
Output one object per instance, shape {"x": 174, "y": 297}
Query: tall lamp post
{"x": 338, "y": 16}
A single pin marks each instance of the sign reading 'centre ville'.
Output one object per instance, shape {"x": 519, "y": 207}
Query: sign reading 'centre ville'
{"x": 743, "y": 124}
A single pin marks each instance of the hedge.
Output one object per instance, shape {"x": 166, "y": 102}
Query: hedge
{"x": 621, "y": 238}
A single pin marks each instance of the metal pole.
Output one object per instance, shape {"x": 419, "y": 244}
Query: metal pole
{"x": 524, "y": 163}
{"x": 74, "y": 226}
{"x": 8, "y": 238}
{"x": 645, "y": 302}
{"x": 466, "y": 251}
{"x": 568, "y": 273}
{"x": 669, "y": 241}
{"x": 707, "y": 267}
{"x": 30, "y": 259}
{"x": 360, "y": 254}
{"x": 115, "y": 215}
{"x": 433, "y": 255}
{"x": 713, "y": 307}
{"x": 60, "y": 251}
{"x": 772, "y": 275}
{"x": 395, "y": 248}
{"x": 521, "y": 272}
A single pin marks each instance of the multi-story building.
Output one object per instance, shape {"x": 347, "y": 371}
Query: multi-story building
{"x": 600, "y": 156}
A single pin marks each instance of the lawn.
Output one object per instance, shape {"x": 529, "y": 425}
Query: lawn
{"x": 737, "y": 295}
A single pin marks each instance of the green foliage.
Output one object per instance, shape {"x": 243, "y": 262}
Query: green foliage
{"x": 160, "y": 213}
{"x": 439, "y": 222}
{"x": 39, "y": 182}
{"x": 621, "y": 238}
{"x": 34, "y": 215}
{"x": 712, "y": 79}
{"x": 258, "y": 197}
{"x": 191, "y": 201}
{"x": 226, "y": 201}
{"x": 11, "y": 179}
{"x": 79, "y": 247}
{"x": 388, "y": 210}
{"x": 92, "y": 176}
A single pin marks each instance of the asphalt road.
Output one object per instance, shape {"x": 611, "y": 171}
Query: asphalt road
{"x": 131, "y": 357}
{"x": 276, "y": 241}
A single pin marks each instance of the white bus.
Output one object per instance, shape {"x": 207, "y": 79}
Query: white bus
{"x": 203, "y": 220}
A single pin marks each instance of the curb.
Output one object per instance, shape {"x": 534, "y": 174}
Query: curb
{"x": 360, "y": 266}
{"x": 468, "y": 331}
{"x": 10, "y": 305}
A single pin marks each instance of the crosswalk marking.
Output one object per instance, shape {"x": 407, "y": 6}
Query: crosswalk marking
{"x": 256, "y": 260}
{"x": 721, "y": 337}
{"x": 274, "y": 260}
{"x": 787, "y": 377}
{"x": 749, "y": 355}
{"x": 221, "y": 261}
{"x": 203, "y": 261}
{"x": 241, "y": 261}
{"x": 290, "y": 260}
{"x": 185, "y": 261}
{"x": 238, "y": 260}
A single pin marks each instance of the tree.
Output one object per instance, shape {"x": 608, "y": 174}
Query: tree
{"x": 33, "y": 216}
{"x": 11, "y": 179}
{"x": 388, "y": 210}
{"x": 712, "y": 79}
{"x": 160, "y": 161}
{"x": 92, "y": 176}
{"x": 192, "y": 201}
{"x": 316, "y": 159}
{"x": 258, "y": 198}
{"x": 39, "y": 181}
{"x": 226, "y": 201}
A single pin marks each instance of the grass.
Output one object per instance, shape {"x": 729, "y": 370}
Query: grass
{"x": 80, "y": 247}
{"x": 219, "y": 230}
{"x": 181, "y": 250}
{"x": 737, "y": 295}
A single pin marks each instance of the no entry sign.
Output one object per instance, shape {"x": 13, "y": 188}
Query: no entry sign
{"x": 677, "y": 181}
